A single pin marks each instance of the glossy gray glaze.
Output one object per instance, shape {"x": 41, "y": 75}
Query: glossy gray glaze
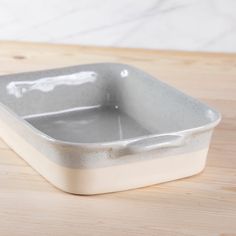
{"x": 89, "y": 115}
{"x": 92, "y": 125}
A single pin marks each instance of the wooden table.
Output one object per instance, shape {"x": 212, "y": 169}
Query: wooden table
{"x": 201, "y": 205}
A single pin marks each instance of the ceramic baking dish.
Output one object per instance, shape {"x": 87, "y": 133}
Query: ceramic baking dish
{"x": 106, "y": 127}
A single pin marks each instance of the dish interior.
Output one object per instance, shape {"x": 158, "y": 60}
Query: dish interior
{"x": 96, "y": 124}
{"x": 100, "y": 103}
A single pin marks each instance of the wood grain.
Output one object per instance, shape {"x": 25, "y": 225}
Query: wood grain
{"x": 201, "y": 205}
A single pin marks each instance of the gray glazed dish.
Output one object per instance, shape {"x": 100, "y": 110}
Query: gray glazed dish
{"x": 105, "y": 127}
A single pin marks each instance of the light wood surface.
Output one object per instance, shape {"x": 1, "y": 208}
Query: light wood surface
{"x": 201, "y": 205}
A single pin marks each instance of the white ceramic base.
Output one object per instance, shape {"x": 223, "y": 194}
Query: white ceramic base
{"x": 107, "y": 179}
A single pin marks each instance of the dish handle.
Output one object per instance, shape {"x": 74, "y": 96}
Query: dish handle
{"x": 157, "y": 142}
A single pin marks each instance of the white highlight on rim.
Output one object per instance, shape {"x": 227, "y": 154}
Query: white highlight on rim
{"x": 47, "y": 84}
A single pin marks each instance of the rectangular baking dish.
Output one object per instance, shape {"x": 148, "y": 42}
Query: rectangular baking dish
{"x": 106, "y": 127}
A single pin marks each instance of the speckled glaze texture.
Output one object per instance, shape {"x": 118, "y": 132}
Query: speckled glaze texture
{"x": 101, "y": 116}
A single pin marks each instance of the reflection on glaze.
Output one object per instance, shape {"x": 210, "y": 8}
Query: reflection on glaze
{"x": 120, "y": 128}
{"x": 18, "y": 88}
{"x": 124, "y": 73}
{"x": 210, "y": 114}
{"x": 61, "y": 112}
